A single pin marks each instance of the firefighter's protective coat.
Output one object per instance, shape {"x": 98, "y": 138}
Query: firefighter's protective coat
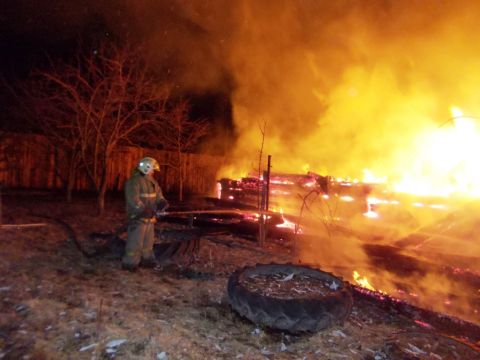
{"x": 143, "y": 198}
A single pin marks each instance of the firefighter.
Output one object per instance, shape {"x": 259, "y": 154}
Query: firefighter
{"x": 144, "y": 199}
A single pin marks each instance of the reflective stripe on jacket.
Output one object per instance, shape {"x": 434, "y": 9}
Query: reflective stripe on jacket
{"x": 141, "y": 192}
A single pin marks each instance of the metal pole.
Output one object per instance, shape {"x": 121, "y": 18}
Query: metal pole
{"x": 268, "y": 182}
{"x": 261, "y": 220}
{"x": 264, "y": 191}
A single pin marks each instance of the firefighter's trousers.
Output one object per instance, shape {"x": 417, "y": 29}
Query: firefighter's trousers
{"x": 140, "y": 241}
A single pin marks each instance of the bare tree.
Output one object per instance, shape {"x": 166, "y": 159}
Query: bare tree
{"x": 42, "y": 109}
{"x": 179, "y": 134}
{"x": 261, "y": 195}
{"x": 51, "y": 112}
{"x": 263, "y": 131}
{"x": 109, "y": 95}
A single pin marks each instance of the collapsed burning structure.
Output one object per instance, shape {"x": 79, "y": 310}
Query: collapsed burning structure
{"x": 376, "y": 94}
{"x": 410, "y": 247}
{"x": 285, "y": 191}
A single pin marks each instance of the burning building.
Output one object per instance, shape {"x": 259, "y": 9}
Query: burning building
{"x": 382, "y": 97}
{"x": 379, "y": 95}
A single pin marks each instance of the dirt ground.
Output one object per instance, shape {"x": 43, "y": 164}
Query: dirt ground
{"x": 57, "y": 304}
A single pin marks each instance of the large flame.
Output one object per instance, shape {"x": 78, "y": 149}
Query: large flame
{"x": 346, "y": 95}
{"x": 446, "y": 160}
{"x": 441, "y": 161}
{"x": 364, "y": 90}
{"x": 354, "y": 89}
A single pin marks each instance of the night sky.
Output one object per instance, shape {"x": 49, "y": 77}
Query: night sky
{"x": 370, "y": 74}
{"x": 33, "y": 33}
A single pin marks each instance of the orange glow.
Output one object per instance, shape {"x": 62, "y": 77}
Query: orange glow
{"x": 391, "y": 103}
{"x": 288, "y": 224}
{"x": 281, "y": 182}
{"x": 377, "y": 108}
{"x": 371, "y": 214}
{"x": 371, "y": 202}
{"x": 370, "y": 178}
{"x": 362, "y": 281}
{"x": 446, "y": 160}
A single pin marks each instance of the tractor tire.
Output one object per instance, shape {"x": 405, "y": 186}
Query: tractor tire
{"x": 292, "y": 315}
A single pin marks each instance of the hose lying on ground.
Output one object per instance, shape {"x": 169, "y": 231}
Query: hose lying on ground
{"x": 173, "y": 242}
{"x": 71, "y": 235}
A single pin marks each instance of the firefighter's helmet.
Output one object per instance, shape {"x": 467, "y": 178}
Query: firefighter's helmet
{"x": 148, "y": 165}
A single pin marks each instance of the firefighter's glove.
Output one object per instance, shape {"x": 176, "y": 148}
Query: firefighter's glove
{"x": 148, "y": 214}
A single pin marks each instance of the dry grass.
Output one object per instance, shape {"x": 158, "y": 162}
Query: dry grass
{"x": 57, "y": 304}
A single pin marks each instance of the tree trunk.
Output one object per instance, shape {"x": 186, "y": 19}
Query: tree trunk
{"x": 69, "y": 191}
{"x": 102, "y": 191}
{"x": 181, "y": 175}
{"x": 101, "y": 200}
{"x": 180, "y": 189}
{"x": 70, "y": 182}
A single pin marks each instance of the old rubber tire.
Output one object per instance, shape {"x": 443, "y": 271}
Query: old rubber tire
{"x": 294, "y": 315}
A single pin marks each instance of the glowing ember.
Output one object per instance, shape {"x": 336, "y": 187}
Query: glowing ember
{"x": 371, "y": 214}
{"x": 423, "y": 324}
{"x": 281, "y": 182}
{"x": 362, "y": 281}
{"x": 288, "y": 224}
{"x": 371, "y": 203}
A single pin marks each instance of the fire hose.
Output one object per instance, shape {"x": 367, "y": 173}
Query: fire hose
{"x": 179, "y": 241}
{"x": 226, "y": 211}
{"x": 108, "y": 239}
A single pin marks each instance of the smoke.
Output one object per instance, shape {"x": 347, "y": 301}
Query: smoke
{"x": 346, "y": 86}
{"x": 429, "y": 268}
{"x": 342, "y": 86}
{"x": 186, "y": 41}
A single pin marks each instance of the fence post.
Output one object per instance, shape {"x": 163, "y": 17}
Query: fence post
{"x": 262, "y": 225}
{"x": 267, "y": 181}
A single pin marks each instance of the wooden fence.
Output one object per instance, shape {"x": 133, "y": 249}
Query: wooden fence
{"x": 31, "y": 162}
